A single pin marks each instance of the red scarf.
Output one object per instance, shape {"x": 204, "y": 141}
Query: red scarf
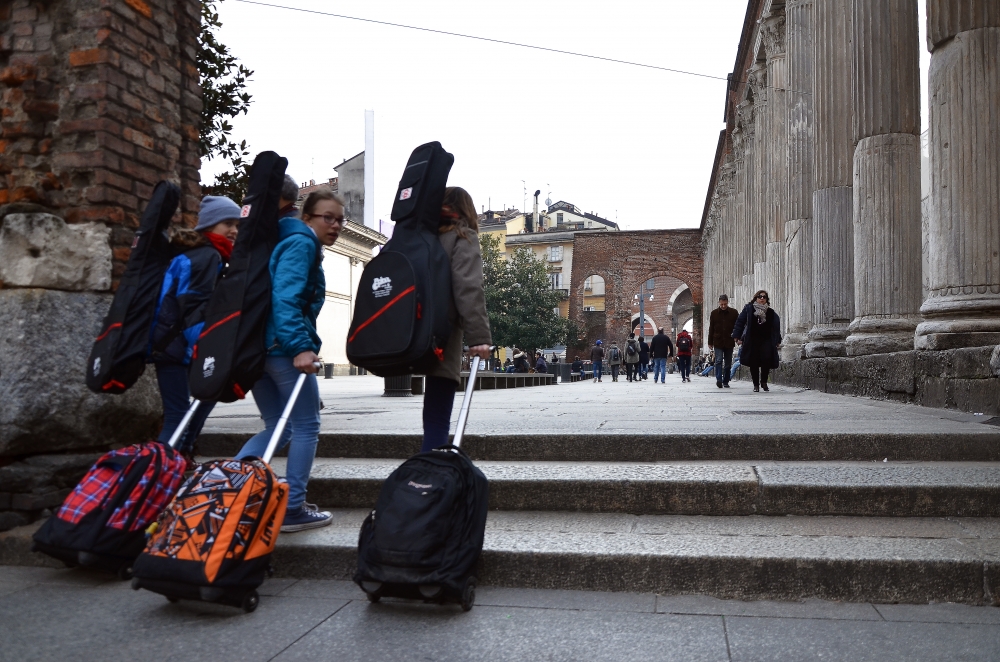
{"x": 221, "y": 244}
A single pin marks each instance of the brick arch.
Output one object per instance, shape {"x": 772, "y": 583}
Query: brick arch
{"x": 626, "y": 260}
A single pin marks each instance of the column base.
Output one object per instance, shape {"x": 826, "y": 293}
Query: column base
{"x": 793, "y": 346}
{"x": 826, "y": 341}
{"x": 956, "y": 321}
{"x": 880, "y": 335}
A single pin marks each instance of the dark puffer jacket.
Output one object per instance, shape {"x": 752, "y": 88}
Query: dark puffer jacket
{"x": 760, "y": 340}
{"x": 180, "y": 311}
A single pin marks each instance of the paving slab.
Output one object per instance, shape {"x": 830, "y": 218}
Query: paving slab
{"x": 508, "y": 633}
{"x": 768, "y": 639}
{"x": 826, "y": 609}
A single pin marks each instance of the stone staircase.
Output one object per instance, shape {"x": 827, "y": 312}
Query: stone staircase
{"x": 881, "y": 518}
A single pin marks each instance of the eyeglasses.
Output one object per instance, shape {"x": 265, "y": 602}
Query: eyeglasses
{"x": 329, "y": 219}
{"x": 762, "y": 296}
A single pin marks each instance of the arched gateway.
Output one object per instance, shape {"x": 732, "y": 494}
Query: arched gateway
{"x": 626, "y": 260}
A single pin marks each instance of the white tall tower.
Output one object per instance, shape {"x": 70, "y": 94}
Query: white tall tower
{"x": 370, "y": 219}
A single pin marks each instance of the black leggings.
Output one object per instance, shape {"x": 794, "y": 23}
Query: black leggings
{"x": 632, "y": 370}
{"x": 759, "y": 375}
{"x": 439, "y": 398}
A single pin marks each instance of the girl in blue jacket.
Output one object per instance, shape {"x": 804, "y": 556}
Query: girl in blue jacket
{"x": 187, "y": 286}
{"x": 298, "y": 289}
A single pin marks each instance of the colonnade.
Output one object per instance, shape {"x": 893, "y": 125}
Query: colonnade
{"x": 817, "y": 192}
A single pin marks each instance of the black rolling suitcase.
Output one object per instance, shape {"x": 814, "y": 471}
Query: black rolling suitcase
{"x": 425, "y": 535}
{"x": 102, "y": 523}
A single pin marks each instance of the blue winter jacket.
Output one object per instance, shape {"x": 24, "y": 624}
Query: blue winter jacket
{"x": 180, "y": 310}
{"x": 298, "y": 289}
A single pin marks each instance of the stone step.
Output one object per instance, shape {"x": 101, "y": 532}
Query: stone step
{"x": 912, "y": 560}
{"x": 865, "y": 559}
{"x": 708, "y": 488}
{"x": 980, "y": 445}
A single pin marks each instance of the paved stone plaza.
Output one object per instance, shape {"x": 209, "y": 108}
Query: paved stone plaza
{"x": 51, "y": 614}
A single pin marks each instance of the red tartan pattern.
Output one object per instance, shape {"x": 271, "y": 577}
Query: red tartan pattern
{"x": 160, "y": 494}
{"x": 97, "y": 486}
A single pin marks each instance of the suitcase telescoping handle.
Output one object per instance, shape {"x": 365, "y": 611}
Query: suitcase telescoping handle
{"x": 272, "y": 445}
{"x": 179, "y": 432}
{"x": 463, "y": 413}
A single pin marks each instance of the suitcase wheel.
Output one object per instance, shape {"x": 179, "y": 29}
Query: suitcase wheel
{"x": 469, "y": 594}
{"x": 373, "y": 590}
{"x": 374, "y": 597}
{"x": 125, "y": 572}
{"x": 173, "y": 599}
{"x": 250, "y": 601}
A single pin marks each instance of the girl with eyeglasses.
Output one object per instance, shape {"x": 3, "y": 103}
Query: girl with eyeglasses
{"x": 758, "y": 332}
{"x": 298, "y": 289}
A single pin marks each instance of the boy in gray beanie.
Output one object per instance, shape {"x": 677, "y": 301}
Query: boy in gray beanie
{"x": 216, "y": 209}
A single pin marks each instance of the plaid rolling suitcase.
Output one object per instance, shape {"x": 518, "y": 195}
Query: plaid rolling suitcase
{"x": 102, "y": 523}
{"x": 425, "y": 535}
{"x": 214, "y": 542}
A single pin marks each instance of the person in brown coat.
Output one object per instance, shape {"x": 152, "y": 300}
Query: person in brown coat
{"x": 720, "y": 339}
{"x": 459, "y": 235}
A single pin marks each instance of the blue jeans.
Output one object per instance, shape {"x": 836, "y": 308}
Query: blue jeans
{"x": 736, "y": 366}
{"x": 598, "y": 367}
{"x": 271, "y": 392}
{"x": 723, "y": 365}
{"x": 684, "y": 363}
{"x": 173, "y": 381}
{"x": 643, "y": 370}
{"x": 709, "y": 368}
{"x": 439, "y": 399}
{"x": 660, "y": 368}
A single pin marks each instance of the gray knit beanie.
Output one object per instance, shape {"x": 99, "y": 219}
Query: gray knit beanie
{"x": 215, "y": 209}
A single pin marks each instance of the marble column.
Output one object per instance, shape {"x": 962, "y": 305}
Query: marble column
{"x": 760, "y": 96}
{"x": 962, "y": 308}
{"x": 798, "y": 230}
{"x": 887, "y": 251}
{"x": 833, "y": 199}
{"x": 772, "y": 31}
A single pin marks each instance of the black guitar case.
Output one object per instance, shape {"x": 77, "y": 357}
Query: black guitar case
{"x": 228, "y": 357}
{"x": 400, "y": 323}
{"x": 118, "y": 357}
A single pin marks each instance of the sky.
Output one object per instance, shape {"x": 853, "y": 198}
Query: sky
{"x": 634, "y": 145}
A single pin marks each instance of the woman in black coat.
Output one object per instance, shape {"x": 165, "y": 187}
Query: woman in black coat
{"x": 758, "y": 331}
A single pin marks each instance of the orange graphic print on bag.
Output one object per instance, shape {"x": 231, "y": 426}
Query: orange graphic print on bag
{"x": 229, "y": 510}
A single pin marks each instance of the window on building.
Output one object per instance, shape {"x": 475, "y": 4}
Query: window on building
{"x": 555, "y": 280}
{"x": 651, "y": 284}
{"x": 588, "y": 284}
{"x": 555, "y": 253}
{"x": 559, "y": 219}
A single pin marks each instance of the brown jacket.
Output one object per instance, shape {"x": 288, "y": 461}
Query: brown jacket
{"x": 468, "y": 301}
{"x": 720, "y": 328}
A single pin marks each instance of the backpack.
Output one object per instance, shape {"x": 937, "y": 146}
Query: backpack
{"x": 428, "y": 524}
{"x": 684, "y": 344}
{"x": 214, "y": 541}
{"x": 228, "y": 357}
{"x": 630, "y": 349}
{"x": 615, "y": 354}
{"x": 118, "y": 356}
{"x": 102, "y": 523}
{"x": 401, "y": 324}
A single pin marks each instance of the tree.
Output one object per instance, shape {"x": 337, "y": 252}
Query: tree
{"x": 224, "y": 96}
{"x": 519, "y": 299}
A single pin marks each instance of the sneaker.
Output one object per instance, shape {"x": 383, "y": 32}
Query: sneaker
{"x": 304, "y": 518}
{"x": 718, "y": 384}
{"x": 725, "y": 386}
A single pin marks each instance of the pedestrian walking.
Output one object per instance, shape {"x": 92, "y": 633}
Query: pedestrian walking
{"x": 720, "y": 339}
{"x": 597, "y": 359}
{"x": 758, "y": 332}
{"x": 632, "y": 358}
{"x": 660, "y": 349}
{"x": 298, "y": 290}
{"x": 187, "y": 286}
{"x": 685, "y": 344}
{"x": 614, "y": 360}
{"x": 643, "y": 358}
{"x": 459, "y": 235}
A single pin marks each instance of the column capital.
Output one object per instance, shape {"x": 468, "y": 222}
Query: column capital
{"x": 757, "y": 82}
{"x": 772, "y": 29}
{"x": 791, "y": 4}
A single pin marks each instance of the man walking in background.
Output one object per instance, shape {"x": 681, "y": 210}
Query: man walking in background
{"x": 643, "y": 358}
{"x": 685, "y": 344}
{"x": 614, "y": 360}
{"x": 720, "y": 339}
{"x": 661, "y": 349}
{"x": 597, "y": 358}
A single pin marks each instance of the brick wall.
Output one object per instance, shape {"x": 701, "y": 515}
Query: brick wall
{"x": 100, "y": 100}
{"x": 626, "y": 260}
